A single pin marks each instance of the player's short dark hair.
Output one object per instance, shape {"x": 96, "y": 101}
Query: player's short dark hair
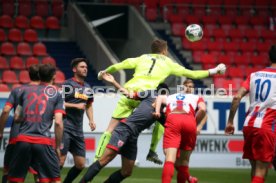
{"x": 76, "y": 61}
{"x": 34, "y": 72}
{"x": 163, "y": 89}
{"x": 158, "y": 45}
{"x": 46, "y": 72}
{"x": 272, "y": 54}
{"x": 187, "y": 81}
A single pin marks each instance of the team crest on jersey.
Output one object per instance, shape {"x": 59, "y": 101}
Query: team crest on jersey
{"x": 120, "y": 143}
{"x": 180, "y": 97}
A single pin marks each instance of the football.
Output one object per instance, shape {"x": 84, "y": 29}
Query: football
{"x": 194, "y": 32}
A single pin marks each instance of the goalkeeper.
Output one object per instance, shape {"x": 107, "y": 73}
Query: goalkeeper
{"x": 150, "y": 71}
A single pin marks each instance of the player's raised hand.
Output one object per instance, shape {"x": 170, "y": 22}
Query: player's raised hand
{"x": 92, "y": 125}
{"x": 219, "y": 69}
{"x": 108, "y": 77}
{"x": 229, "y": 129}
{"x": 100, "y": 74}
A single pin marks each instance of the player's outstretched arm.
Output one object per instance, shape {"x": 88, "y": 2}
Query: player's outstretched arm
{"x": 229, "y": 129}
{"x": 197, "y": 74}
{"x": 129, "y": 63}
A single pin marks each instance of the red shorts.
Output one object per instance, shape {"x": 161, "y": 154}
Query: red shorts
{"x": 180, "y": 132}
{"x": 259, "y": 144}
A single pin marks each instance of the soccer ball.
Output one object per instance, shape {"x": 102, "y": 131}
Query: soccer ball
{"x": 194, "y": 32}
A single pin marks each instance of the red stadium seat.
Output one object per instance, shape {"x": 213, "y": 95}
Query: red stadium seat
{"x": 4, "y": 88}
{"x": 249, "y": 70}
{"x": 252, "y": 34}
{"x": 247, "y": 46}
{"x": 30, "y": 35}
{"x": 225, "y": 20}
{"x": 6, "y": 21}
{"x": 39, "y": 49}
{"x": 8, "y": 49}
{"x": 9, "y": 76}
{"x": 241, "y": 59}
{"x": 197, "y": 56}
{"x": 231, "y": 2}
{"x": 151, "y": 14}
{"x": 15, "y": 35}
{"x": 235, "y": 72}
{"x": 52, "y": 23}
{"x": 215, "y": 46}
{"x": 199, "y": 46}
{"x": 24, "y": 77}
{"x": 182, "y": 10}
{"x": 259, "y": 60}
{"x": 214, "y": 11}
{"x": 25, "y": 8}
{"x": 57, "y": 9}
{"x": 231, "y": 11}
{"x": 37, "y": 22}
{"x": 178, "y": 29}
{"x": 218, "y": 82}
{"x": 226, "y": 59}
{"x": 259, "y": 20}
{"x": 268, "y": 34}
{"x": 220, "y": 33}
{"x": 41, "y": 8}
{"x": 209, "y": 19}
{"x": 49, "y": 60}
{"x": 236, "y": 33}
{"x": 263, "y": 47}
{"x": 22, "y": 22}
{"x": 246, "y": 2}
{"x": 60, "y": 77}
{"x": 215, "y": 2}
{"x": 208, "y": 59}
{"x": 151, "y": 3}
{"x": 3, "y": 36}
{"x": 230, "y": 46}
{"x": 199, "y": 12}
{"x": 24, "y": 49}
{"x": 17, "y": 63}
{"x": 31, "y": 61}
{"x": 8, "y": 8}
{"x": 3, "y": 63}
{"x": 242, "y": 20}
{"x": 191, "y": 20}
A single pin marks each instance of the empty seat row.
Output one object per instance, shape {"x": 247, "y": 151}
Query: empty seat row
{"x": 36, "y": 22}
{"x": 10, "y": 77}
{"x": 25, "y": 8}
{"x": 23, "y": 49}
{"x": 18, "y": 63}
{"x": 15, "y": 35}
{"x": 244, "y": 59}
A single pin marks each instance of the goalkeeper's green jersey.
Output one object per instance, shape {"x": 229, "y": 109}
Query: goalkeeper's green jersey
{"x": 151, "y": 70}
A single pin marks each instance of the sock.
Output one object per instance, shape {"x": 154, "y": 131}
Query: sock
{"x": 157, "y": 133}
{"x": 256, "y": 179}
{"x": 92, "y": 171}
{"x": 274, "y": 162}
{"x": 115, "y": 177}
{"x": 72, "y": 174}
{"x": 4, "y": 178}
{"x": 168, "y": 171}
{"x": 104, "y": 140}
{"x": 183, "y": 174}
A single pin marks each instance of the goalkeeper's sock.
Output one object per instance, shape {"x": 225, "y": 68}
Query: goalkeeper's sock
{"x": 167, "y": 172}
{"x": 92, "y": 171}
{"x": 157, "y": 133}
{"x": 256, "y": 179}
{"x": 72, "y": 174}
{"x": 183, "y": 174}
{"x": 115, "y": 177}
{"x": 104, "y": 140}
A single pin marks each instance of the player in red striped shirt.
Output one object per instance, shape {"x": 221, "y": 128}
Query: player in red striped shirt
{"x": 259, "y": 125}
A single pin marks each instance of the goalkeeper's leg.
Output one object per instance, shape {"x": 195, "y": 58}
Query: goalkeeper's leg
{"x": 104, "y": 140}
{"x": 157, "y": 133}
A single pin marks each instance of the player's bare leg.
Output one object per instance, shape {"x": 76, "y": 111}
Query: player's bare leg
{"x": 104, "y": 140}
{"x": 124, "y": 172}
{"x": 62, "y": 160}
{"x": 96, "y": 167}
{"x": 261, "y": 169}
{"x": 168, "y": 168}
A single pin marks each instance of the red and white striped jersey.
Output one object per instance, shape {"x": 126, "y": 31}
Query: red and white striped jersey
{"x": 262, "y": 88}
{"x": 183, "y": 102}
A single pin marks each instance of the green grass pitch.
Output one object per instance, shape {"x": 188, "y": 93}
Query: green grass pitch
{"x": 153, "y": 175}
